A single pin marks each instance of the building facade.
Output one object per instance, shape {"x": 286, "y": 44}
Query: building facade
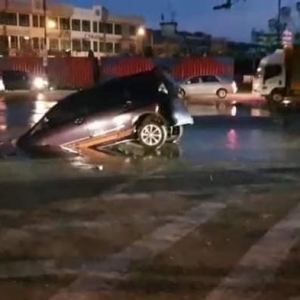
{"x": 168, "y": 41}
{"x": 68, "y": 30}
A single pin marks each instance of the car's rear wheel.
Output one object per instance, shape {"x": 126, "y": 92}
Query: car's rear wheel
{"x": 222, "y": 93}
{"x": 175, "y": 134}
{"x": 152, "y": 134}
{"x": 181, "y": 93}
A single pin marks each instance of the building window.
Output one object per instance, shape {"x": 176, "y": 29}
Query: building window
{"x": 117, "y": 47}
{"x": 76, "y": 45}
{"x": 86, "y": 26}
{"x": 109, "y": 47}
{"x": 118, "y": 29}
{"x": 42, "y": 43}
{"x": 14, "y": 42}
{"x": 76, "y": 25}
{"x": 35, "y": 21}
{"x": 36, "y": 43}
{"x": 101, "y": 48}
{"x": 55, "y": 22}
{"x": 106, "y": 28}
{"x": 95, "y": 26}
{"x": 42, "y": 21}
{"x": 3, "y": 44}
{"x": 53, "y": 44}
{"x": 65, "y": 45}
{"x": 109, "y": 28}
{"x": 86, "y": 45}
{"x": 24, "y": 20}
{"x": 95, "y": 46}
{"x": 2, "y": 18}
{"x": 24, "y": 42}
{"x": 11, "y": 19}
{"x": 132, "y": 30}
{"x": 64, "y": 23}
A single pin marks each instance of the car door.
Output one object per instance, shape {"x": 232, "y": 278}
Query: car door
{"x": 210, "y": 84}
{"x": 64, "y": 125}
{"x": 193, "y": 86}
{"x": 106, "y": 112}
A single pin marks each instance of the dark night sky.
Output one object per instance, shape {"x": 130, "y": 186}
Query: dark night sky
{"x": 198, "y": 14}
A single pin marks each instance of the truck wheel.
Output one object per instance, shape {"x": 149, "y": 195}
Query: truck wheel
{"x": 277, "y": 96}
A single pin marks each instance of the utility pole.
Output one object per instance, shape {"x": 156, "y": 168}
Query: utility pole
{"x": 5, "y": 35}
{"x": 279, "y": 24}
{"x": 45, "y": 52}
{"x": 104, "y": 17}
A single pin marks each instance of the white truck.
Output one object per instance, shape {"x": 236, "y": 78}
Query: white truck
{"x": 278, "y": 75}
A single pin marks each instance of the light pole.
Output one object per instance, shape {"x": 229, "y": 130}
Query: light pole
{"x": 5, "y": 40}
{"x": 141, "y": 32}
{"x": 45, "y": 52}
{"x": 279, "y": 24}
{"x": 104, "y": 19}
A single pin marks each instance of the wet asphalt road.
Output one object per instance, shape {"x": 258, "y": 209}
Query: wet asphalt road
{"x": 243, "y": 132}
{"x": 221, "y": 222}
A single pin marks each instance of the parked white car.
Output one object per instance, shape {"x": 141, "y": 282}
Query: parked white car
{"x": 207, "y": 85}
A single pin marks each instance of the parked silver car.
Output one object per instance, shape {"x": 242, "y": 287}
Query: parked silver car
{"x": 207, "y": 85}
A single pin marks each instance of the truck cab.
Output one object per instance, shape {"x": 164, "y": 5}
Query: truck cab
{"x": 270, "y": 78}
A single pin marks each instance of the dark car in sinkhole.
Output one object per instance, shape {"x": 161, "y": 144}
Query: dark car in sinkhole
{"x": 143, "y": 107}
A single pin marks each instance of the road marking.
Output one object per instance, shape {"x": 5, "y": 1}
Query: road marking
{"x": 258, "y": 266}
{"x": 142, "y": 250}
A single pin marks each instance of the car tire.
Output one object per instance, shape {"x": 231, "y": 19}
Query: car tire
{"x": 222, "y": 93}
{"x": 152, "y": 135}
{"x": 176, "y": 134}
{"x": 181, "y": 93}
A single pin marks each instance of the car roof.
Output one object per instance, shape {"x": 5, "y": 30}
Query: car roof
{"x": 147, "y": 81}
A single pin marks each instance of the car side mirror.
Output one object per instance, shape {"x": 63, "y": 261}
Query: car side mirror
{"x": 188, "y": 82}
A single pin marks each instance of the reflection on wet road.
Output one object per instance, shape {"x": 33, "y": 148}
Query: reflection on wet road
{"x": 229, "y": 132}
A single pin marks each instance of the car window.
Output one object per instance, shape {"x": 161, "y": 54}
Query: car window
{"x": 72, "y": 107}
{"x": 63, "y": 115}
{"x": 194, "y": 80}
{"x": 209, "y": 79}
{"x": 14, "y": 75}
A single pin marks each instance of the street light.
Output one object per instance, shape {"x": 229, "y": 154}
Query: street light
{"x": 278, "y": 24}
{"x": 45, "y": 52}
{"x": 51, "y": 24}
{"x": 141, "y": 31}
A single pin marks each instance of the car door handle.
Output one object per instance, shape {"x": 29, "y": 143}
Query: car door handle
{"x": 78, "y": 121}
